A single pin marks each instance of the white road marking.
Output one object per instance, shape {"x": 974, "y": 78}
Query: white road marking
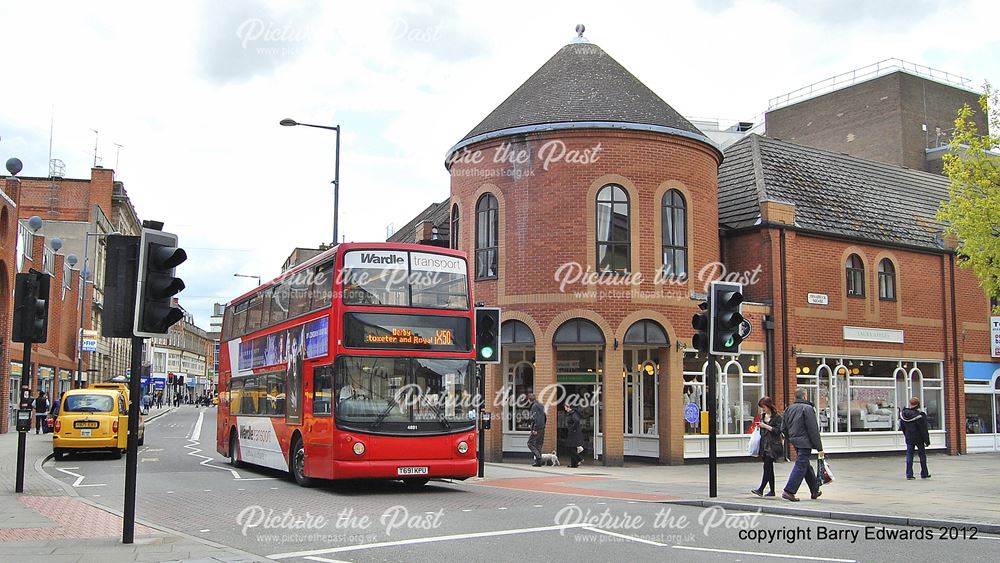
{"x": 206, "y": 460}
{"x": 759, "y": 554}
{"x": 310, "y": 554}
{"x": 79, "y": 478}
{"x": 145, "y": 459}
{"x": 617, "y": 535}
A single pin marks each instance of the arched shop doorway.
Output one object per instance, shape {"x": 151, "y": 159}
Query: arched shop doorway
{"x": 518, "y": 345}
{"x": 579, "y": 346}
{"x": 645, "y": 345}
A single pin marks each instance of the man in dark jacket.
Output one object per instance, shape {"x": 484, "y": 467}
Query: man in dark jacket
{"x": 537, "y": 429}
{"x": 574, "y": 435}
{"x": 802, "y": 431}
{"x": 41, "y": 411}
{"x": 913, "y": 423}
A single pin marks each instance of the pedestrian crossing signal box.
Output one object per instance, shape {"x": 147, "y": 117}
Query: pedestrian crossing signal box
{"x": 484, "y": 420}
{"x": 23, "y": 420}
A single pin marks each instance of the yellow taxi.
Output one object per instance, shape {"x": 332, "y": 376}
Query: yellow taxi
{"x": 92, "y": 419}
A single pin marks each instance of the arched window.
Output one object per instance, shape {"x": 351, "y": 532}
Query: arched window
{"x": 886, "y": 280}
{"x": 454, "y": 226}
{"x": 674, "y": 235}
{"x": 855, "y": 276}
{"x": 613, "y": 249}
{"x": 487, "y": 211}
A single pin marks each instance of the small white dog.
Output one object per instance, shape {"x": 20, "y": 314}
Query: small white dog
{"x": 550, "y": 459}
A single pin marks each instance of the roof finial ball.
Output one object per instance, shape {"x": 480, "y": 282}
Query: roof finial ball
{"x": 580, "y": 28}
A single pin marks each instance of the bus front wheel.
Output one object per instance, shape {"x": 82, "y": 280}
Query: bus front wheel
{"x": 298, "y": 463}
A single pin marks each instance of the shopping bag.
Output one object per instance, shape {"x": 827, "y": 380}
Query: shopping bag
{"x": 825, "y": 471}
{"x": 754, "y": 447}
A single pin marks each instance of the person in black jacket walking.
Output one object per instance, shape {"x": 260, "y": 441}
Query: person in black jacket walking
{"x": 772, "y": 448}
{"x": 802, "y": 431}
{"x": 574, "y": 436}
{"x": 537, "y": 438}
{"x": 913, "y": 423}
{"x": 41, "y": 411}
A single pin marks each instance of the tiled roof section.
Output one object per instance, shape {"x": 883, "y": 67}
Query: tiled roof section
{"x": 582, "y": 83}
{"x": 439, "y": 214}
{"x": 833, "y": 193}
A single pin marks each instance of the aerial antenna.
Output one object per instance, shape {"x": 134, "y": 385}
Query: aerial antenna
{"x": 96, "y": 135}
{"x": 52, "y": 124}
{"x": 118, "y": 151}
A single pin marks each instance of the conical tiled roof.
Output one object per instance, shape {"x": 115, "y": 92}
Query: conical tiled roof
{"x": 582, "y": 86}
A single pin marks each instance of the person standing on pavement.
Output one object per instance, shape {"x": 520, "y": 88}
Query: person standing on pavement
{"x": 802, "y": 431}
{"x": 574, "y": 436}
{"x": 146, "y": 401}
{"x": 41, "y": 411}
{"x": 771, "y": 446}
{"x": 913, "y": 423}
{"x": 537, "y": 438}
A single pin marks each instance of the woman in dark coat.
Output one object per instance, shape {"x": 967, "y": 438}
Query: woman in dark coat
{"x": 574, "y": 437}
{"x": 771, "y": 446}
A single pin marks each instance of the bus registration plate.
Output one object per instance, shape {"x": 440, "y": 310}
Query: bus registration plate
{"x": 411, "y": 471}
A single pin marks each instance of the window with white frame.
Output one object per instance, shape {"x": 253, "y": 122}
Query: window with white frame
{"x": 867, "y": 394}
{"x": 740, "y": 385}
{"x": 982, "y": 407}
{"x": 641, "y": 385}
{"x": 520, "y": 380}
{"x": 48, "y": 260}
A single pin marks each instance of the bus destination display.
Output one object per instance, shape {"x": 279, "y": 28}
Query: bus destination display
{"x": 406, "y": 332}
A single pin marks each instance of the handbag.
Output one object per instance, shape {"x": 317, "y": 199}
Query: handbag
{"x": 754, "y": 447}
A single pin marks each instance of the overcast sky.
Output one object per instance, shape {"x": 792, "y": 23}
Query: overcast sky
{"x": 193, "y": 91}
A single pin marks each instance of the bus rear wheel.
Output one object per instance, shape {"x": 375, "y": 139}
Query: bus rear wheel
{"x": 233, "y": 447}
{"x": 298, "y": 465}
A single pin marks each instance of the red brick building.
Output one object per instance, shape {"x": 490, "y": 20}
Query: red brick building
{"x": 594, "y": 214}
{"x": 79, "y": 213}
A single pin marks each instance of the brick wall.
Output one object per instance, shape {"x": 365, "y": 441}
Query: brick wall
{"x": 548, "y": 219}
{"x": 880, "y": 119}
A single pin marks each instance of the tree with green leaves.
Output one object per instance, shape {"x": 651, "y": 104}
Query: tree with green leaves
{"x": 972, "y": 211}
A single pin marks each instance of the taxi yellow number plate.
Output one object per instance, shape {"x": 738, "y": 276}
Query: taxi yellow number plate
{"x": 86, "y": 424}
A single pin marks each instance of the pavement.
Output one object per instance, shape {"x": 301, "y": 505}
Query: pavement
{"x": 961, "y": 490}
{"x": 46, "y": 521}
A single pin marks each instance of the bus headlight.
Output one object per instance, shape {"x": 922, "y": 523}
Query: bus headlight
{"x": 463, "y": 447}
{"x": 359, "y": 448}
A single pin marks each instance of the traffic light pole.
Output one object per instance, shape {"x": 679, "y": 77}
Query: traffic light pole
{"x": 713, "y": 461}
{"x": 131, "y": 460}
{"x": 481, "y": 442}
{"x": 22, "y": 435}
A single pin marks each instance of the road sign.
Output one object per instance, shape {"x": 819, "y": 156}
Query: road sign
{"x": 995, "y": 336}
{"x": 691, "y": 413}
{"x": 745, "y": 328}
{"x": 88, "y": 340}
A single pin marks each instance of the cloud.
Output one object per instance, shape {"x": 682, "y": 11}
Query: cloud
{"x": 241, "y": 40}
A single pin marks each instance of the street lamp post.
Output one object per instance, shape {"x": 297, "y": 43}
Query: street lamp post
{"x": 336, "y": 170}
{"x": 84, "y": 274}
{"x": 247, "y": 276}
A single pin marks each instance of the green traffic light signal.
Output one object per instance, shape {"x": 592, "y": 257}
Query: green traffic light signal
{"x": 487, "y": 352}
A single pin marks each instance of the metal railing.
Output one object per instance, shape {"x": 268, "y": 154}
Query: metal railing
{"x": 864, "y": 73}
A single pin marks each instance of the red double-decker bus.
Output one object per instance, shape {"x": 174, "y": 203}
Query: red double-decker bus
{"x": 356, "y": 364}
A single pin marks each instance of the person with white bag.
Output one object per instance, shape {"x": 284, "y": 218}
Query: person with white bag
{"x": 771, "y": 447}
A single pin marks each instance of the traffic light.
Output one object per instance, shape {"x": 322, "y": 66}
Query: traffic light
{"x": 31, "y": 307}
{"x": 159, "y": 255}
{"x": 701, "y": 323}
{"x": 488, "y": 335}
{"x": 170, "y": 378}
{"x": 726, "y": 300}
{"x": 180, "y": 380}
{"x": 121, "y": 272}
